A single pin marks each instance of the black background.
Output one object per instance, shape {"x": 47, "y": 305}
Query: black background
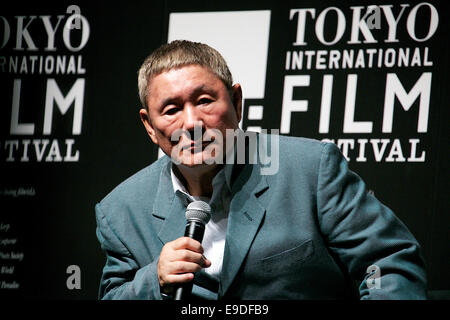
{"x": 56, "y": 227}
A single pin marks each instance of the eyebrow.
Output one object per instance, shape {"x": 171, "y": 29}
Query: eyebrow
{"x": 196, "y": 92}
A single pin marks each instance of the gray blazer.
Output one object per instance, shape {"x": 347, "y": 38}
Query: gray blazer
{"x": 310, "y": 231}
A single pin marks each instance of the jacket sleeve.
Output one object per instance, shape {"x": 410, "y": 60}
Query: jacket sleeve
{"x": 121, "y": 277}
{"x": 375, "y": 247}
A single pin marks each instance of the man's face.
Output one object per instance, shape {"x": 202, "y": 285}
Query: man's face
{"x": 190, "y": 98}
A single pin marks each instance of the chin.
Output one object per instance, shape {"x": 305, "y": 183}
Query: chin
{"x": 196, "y": 162}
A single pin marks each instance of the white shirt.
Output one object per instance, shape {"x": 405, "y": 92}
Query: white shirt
{"x": 215, "y": 231}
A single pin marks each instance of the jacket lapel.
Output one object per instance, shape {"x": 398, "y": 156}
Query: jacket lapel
{"x": 245, "y": 216}
{"x": 169, "y": 207}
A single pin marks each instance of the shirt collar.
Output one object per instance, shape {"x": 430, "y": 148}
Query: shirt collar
{"x": 222, "y": 177}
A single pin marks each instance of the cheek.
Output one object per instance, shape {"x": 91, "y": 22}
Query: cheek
{"x": 230, "y": 120}
{"x": 224, "y": 119}
{"x": 166, "y": 128}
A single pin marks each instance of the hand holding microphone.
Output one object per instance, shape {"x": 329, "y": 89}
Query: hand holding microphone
{"x": 181, "y": 258}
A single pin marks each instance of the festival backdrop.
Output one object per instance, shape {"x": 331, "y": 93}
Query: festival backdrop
{"x": 371, "y": 77}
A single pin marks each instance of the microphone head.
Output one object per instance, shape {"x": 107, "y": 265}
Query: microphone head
{"x": 198, "y": 211}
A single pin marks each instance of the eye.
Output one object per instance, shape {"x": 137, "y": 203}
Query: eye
{"x": 171, "y": 111}
{"x": 205, "y": 101}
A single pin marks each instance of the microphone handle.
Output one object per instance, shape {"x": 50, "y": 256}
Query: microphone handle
{"x": 194, "y": 230}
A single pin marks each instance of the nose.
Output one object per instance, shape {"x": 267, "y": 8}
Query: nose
{"x": 192, "y": 122}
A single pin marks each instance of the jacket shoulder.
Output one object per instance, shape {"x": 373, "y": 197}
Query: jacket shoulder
{"x": 301, "y": 151}
{"x": 292, "y": 160}
{"x": 139, "y": 186}
{"x": 301, "y": 144}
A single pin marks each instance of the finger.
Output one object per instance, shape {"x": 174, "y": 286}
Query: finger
{"x": 178, "y": 267}
{"x": 206, "y": 262}
{"x": 173, "y": 279}
{"x": 187, "y": 243}
{"x": 189, "y": 256}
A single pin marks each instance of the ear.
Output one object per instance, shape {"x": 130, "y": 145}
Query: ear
{"x": 237, "y": 99}
{"x": 145, "y": 118}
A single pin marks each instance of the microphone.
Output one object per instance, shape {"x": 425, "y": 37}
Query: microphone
{"x": 198, "y": 214}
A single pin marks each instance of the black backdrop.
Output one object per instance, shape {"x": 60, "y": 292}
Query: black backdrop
{"x": 55, "y": 167}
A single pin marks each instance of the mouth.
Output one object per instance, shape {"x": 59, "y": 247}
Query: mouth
{"x": 196, "y": 146}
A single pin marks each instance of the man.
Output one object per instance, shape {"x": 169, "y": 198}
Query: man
{"x": 307, "y": 231}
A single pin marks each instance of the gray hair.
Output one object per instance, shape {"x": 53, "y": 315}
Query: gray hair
{"x": 177, "y": 54}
